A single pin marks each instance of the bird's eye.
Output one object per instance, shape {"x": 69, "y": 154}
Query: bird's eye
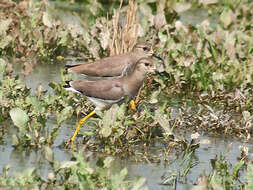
{"x": 145, "y": 49}
{"x": 146, "y": 64}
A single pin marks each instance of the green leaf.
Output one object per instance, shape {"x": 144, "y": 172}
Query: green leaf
{"x": 3, "y": 68}
{"x": 49, "y": 154}
{"x": 14, "y": 140}
{"x": 37, "y": 105}
{"x": 154, "y": 96}
{"x": 106, "y": 131}
{"x": 68, "y": 164}
{"x": 19, "y": 117}
{"x": 246, "y": 115}
{"x": 122, "y": 111}
{"x": 225, "y": 17}
{"x": 237, "y": 167}
{"x": 63, "y": 35}
{"x": 65, "y": 114}
{"x": 181, "y": 7}
{"x": 108, "y": 161}
{"x": 108, "y": 120}
{"x": 139, "y": 184}
{"x": 249, "y": 177}
{"x": 163, "y": 122}
{"x": 118, "y": 178}
{"x": 5, "y": 41}
{"x": 162, "y": 37}
{"x": 123, "y": 173}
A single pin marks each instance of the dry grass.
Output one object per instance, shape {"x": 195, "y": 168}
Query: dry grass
{"x": 124, "y": 37}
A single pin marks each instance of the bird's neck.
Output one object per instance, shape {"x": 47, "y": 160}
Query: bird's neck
{"x": 134, "y": 81}
{"x": 137, "y": 76}
{"x": 135, "y": 56}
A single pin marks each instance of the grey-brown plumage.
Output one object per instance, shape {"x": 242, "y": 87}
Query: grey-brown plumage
{"x": 114, "y": 65}
{"x": 104, "y": 93}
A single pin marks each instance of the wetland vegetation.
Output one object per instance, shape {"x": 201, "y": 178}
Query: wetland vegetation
{"x": 204, "y": 91}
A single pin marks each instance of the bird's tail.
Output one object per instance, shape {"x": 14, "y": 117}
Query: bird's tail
{"x": 67, "y": 84}
{"x": 69, "y": 87}
{"x": 70, "y": 66}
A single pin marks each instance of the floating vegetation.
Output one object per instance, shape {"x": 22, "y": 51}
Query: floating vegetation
{"x": 75, "y": 174}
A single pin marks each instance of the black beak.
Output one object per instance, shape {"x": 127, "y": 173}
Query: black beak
{"x": 156, "y": 56}
{"x": 157, "y": 72}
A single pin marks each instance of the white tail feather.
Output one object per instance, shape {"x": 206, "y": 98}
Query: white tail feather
{"x": 72, "y": 89}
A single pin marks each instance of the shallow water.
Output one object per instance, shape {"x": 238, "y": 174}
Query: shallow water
{"x": 155, "y": 173}
{"x": 21, "y": 160}
{"x": 42, "y": 74}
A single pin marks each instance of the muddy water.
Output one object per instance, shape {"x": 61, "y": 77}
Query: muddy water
{"x": 155, "y": 173}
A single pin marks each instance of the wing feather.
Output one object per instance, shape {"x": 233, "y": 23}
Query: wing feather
{"x": 109, "y": 66}
{"x": 102, "y": 89}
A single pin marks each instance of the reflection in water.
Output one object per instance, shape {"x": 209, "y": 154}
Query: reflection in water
{"x": 19, "y": 160}
{"x": 153, "y": 172}
{"x": 156, "y": 173}
{"x": 42, "y": 74}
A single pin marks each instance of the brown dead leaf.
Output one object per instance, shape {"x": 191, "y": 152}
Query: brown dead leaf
{"x": 230, "y": 45}
{"x": 218, "y": 36}
{"x": 5, "y": 4}
{"x": 181, "y": 7}
{"x": 227, "y": 17}
{"x": 202, "y": 182}
{"x": 159, "y": 20}
{"x": 28, "y": 67}
{"x": 105, "y": 38}
{"x": 4, "y": 25}
{"x": 189, "y": 61}
{"x": 179, "y": 26}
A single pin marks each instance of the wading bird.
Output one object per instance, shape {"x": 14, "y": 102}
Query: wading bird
{"x": 114, "y": 65}
{"x": 105, "y": 93}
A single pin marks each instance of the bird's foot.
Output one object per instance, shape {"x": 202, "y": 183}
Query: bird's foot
{"x": 70, "y": 142}
{"x": 132, "y": 105}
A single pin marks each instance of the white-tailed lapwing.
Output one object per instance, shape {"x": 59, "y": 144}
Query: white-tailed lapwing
{"x": 105, "y": 93}
{"x": 113, "y": 65}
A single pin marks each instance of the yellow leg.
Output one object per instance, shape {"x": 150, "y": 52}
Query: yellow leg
{"x": 80, "y": 124}
{"x": 132, "y": 105}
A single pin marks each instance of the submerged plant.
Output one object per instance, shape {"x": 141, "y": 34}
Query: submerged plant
{"x": 28, "y": 112}
{"x": 223, "y": 176}
{"x": 76, "y": 174}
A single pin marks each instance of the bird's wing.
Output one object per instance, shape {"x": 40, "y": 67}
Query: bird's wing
{"x": 109, "y": 66}
{"x": 103, "y": 89}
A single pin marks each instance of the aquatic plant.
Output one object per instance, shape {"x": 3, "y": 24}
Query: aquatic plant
{"x": 206, "y": 86}
{"x": 75, "y": 174}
